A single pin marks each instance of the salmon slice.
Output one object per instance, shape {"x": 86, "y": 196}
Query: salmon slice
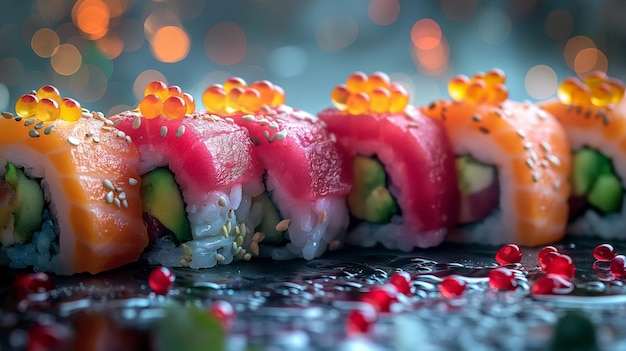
{"x": 531, "y": 152}
{"x": 88, "y": 170}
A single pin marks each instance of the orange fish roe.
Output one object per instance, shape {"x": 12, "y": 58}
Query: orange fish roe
{"x": 46, "y": 104}
{"x": 236, "y": 95}
{"x": 481, "y": 88}
{"x": 167, "y": 101}
{"x": 596, "y": 89}
{"x": 369, "y": 94}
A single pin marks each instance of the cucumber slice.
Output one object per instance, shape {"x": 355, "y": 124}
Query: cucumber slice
{"x": 473, "y": 176}
{"x": 369, "y": 199}
{"x": 606, "y": 193}
{"x": 587, "y": 166}
{"x": 27, "y": 205}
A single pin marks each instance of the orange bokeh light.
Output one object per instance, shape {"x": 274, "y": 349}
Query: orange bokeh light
{"x": 433, "y": 61}
{"x": 45, "y": 42}
{"x": 590, "y": 59}
{"x": 574, "y": 46}
{"x": 66, "y": 60}
{"x": 226, "y": 43}
{"x": 383, "y": 12}
{"x": 92, "y": 18}
{"x": 111, "y": 45}
{"x": 170, "y": 44}
{"x": 426, "y": 34}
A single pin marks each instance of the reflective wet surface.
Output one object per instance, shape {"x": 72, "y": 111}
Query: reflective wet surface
{"x": 304, "y": 305}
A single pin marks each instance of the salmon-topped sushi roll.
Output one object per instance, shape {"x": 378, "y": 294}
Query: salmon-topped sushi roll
{"x": 593, "y": 114}
{"x": 69, "y": 188}
{"x": 512, "y": 161}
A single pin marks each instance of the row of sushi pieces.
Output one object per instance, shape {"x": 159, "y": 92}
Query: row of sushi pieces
{"x": 249, "y": 176}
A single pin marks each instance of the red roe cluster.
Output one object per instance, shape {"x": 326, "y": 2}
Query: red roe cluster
{"x": 596, "y": 89}
{"x": 167, "y": 101}
{"x": 46, "y": 104}
{"x": 370, "y": 94}
{"x": 236, "y": 95}
{"x": 559, "y": 273}
{"x": 481, "y": 88}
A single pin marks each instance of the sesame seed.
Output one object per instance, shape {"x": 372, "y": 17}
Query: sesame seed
{"x": 121, "y": 134}
{"x": 231, "y": 213}
{"x": 273, "y": 125}
{"x": 109, "y": 197}
{"x": 432, "y": 105}
{"x": 125, "y": 203}
{"x": 29, "y": 121}
{"x": 557, "y": 185}
{"x": 237, "y": 230}
{"x": 238, "y": 251}
{"x": 476, "y": 118}
{"x": 229, "y": 120}
{"x": 263, "y": 121}
{"x": 108, "y": 184}
{"x": 33, "y": 133}
{"x": 521, "y": 133}
{"x": 73, "y": 141}
{"x": 221, "y": 201}
{"x": 530, "y": 163}
{"x": 283, "y": 225}
{"x": 266, "y": 134}
{"x": 121, "y": 195}
{"x": 244, "y": 229}
{"x": 248, "y": 118}
{"x": 48, "y": 129}
{"x": 587, "y": 114}
{"x": 247, "y": 257}
{"x": 528, "y": 145}
{"x": 554, "y": 160}
{"x": 239, "y": 240}
{"x": 133, "y": 181}
{"x": 7, "y": 115}
{"x": 187, "y": 249}
{"x": 128, "y": 139}
{"x": 136, "y": 122}
{"x": 224, "y": 231}
{"x": 96, "y": 139}
{"x": 413, "y": 125}
{"x": 545, "y": 146}
{"x": 234, "y": 246}
{"x": 180, "y": 131}
{"x": 228, "y": 226}
{"x": 117, "y": 202}
{"x": 184, "y": 263}
{"x": 108, "y": 122}
{"x": 535, "y": 177}
{"x": 119, "y": 190}
{"x": 163, "y": 131}
{"x": 86, "y": 114}
{"x": 484, "y": 130}
{"x": 322, "y": 217}
{"x": 89, "y": 133}
{"x": 219, "y": 257}
{"x": 281, "y": 135}
{"x": 39, "y": 125}
{"x": 533, "y": 156}
{"x": 545, "y": 163}
{"x": 18, "y": 119}
{"x": 107, "y": 129}
{"x": 542, "y": 114}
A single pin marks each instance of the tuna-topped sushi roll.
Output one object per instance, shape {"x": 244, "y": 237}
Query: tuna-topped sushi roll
{"x": 593, "y": 113}
{"x": 198, "y": 174}
{"x": 301, "y": 211}
{"x": 404, "y": 182}
{"x": 512, "y": 161}
{"x": 69, "y": 188}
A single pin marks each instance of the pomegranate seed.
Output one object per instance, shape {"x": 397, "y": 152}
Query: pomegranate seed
{"x": 552, "y": 284}
{"x": 563, "y": 265}
{"x": 381, "y": 297}
{"x": 510, "y": 253}
{"x": 161, "y": 280}
{"x": 502, "y": 279}
{"x": 546, "y": 255}
{"x": 360, "y": 321}
{"x": 32, "y": 283}
{"x": 224, "y": 312}
{"x": 402, "y": 282}
{"x": 618, "y": 266}
{"x": 452, "y": 288}
{"x": 604, "y": 252}
{"x": 47, "y": 337}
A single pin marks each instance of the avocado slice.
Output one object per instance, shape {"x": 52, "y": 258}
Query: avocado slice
{"x": 28, "y": 203}
{"x": 369, "y": 199}
{"x": 587, "y": 166}
{"x": 163, "y": 199}
{"x": 473, "y": 176}
{"x": 606, "y": 193}
{"x": 270, "y": 218}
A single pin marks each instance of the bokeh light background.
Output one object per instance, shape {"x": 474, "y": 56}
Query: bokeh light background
{"x": 104, "y": 52}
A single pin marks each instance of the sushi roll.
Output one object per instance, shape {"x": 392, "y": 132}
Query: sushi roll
{"x": 512, "y": 161}
{"x": 404, "y": 181}
{"x": 301, "y": 211}
{"x": 69, "y": 188}
{"x": 593, "y": 114}
{"x": 198, "y": 177}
